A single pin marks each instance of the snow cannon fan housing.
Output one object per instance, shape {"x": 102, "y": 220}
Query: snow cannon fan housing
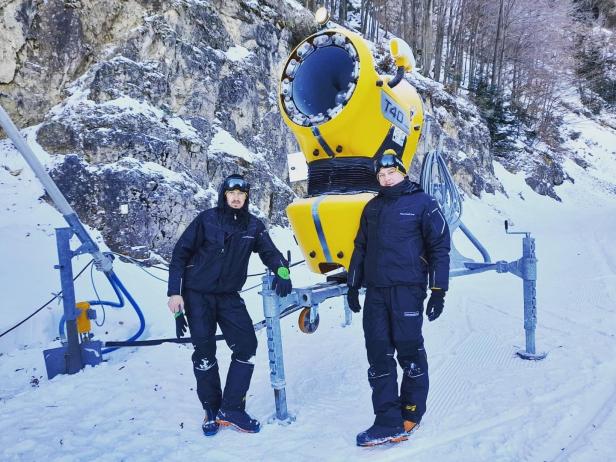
{"x": 343, "y": 115}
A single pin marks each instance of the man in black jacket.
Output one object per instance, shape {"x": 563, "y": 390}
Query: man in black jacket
{"x": 402, "y": 244}
{"x": 208, "y": 268}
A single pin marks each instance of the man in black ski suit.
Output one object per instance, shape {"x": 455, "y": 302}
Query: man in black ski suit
{"x": 208, "y": 268}
{"x": 402, "y": 243}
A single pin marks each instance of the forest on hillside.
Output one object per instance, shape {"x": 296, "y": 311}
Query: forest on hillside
{"x": 518, "y": 59}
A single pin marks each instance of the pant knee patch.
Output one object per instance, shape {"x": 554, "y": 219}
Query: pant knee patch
{"x": 204, "y": 364}
{"x": 244, "y": 352}
{"x": 413, "y": 370}
{"x": 378, "y": 372}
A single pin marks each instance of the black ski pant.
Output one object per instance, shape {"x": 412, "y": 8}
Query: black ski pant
{"x": 203, "y": 312}
{"x": 392, "y": 322}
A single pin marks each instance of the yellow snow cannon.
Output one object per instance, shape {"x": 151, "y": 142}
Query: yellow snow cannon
{"x": 343, "y": 115}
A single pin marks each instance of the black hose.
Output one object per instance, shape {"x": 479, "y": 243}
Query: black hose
{"x": 398, "y": 78}
{"x": 137, "y": 343}
{"x": 152, "y": 342}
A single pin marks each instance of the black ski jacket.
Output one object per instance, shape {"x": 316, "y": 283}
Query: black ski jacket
{"x": 212, "y": 254}
{"x": 403, "y": 239}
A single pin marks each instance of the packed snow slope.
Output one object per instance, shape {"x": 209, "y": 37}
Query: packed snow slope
{"x": 485, "y": 403}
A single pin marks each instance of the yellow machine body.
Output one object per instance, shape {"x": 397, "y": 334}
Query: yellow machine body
{"x": 343, "y": 113}
{"x": 83, "y": 321}
{"x": 325, "y": 227}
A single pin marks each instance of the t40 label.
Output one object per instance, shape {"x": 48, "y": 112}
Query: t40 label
{"x": 394, "y": 113}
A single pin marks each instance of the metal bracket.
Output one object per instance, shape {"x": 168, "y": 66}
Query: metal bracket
{"x": 72, "y": 356}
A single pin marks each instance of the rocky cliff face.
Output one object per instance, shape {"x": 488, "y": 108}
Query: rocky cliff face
{"x": 122, "y": 86}
{"x": 148, "y": 104}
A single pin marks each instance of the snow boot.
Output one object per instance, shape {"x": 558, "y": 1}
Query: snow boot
{"x": 239, "y": 420}
{"x": 238, "y": 381}
{"x": 210, "y": 426}
{"x": 379, "y": 434}
{"x": 410, "y": 426}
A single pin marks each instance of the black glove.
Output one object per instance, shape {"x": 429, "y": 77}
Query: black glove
{"x": 180, "y": 324}
{"x": 282, "y": 282}
{"x": 436, "y": 303}
{"x": 353, "y": 299}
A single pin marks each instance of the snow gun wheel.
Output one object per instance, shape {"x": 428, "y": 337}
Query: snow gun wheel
{"x": 304, "y": 323}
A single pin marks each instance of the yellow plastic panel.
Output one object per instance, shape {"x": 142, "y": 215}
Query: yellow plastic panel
{"x": 338, "y": 218}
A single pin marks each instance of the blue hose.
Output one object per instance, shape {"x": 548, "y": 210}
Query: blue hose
{"x": 116, "y": 283}
{"x": 118, "y": 288}
{"x": 118, "y": 304}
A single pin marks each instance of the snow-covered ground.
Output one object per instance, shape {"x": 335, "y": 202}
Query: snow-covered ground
{"x": 485, "y": 404}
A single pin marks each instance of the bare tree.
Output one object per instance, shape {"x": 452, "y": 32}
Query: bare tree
{"x": 426, "y": 36}
{"x": 496, "y": 41}
{"x": 511, "y": 48}
{"x": 342, "y": 11}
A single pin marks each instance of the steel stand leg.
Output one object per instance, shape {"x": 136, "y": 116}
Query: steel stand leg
{"x": 271, "y": 310}
{"x": 72, "y": 355}
{"x": 348, "y": 314}
{"x": 529, "y": 278}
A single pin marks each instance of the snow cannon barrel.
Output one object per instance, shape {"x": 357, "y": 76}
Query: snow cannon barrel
{"x": 343, "y": 115}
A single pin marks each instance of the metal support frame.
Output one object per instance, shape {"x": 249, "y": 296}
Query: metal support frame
{"x": 437, "y": 181}
{"x": 73, "y": 355}
{"x": 529, "y": 276}
{"x": 90, "y": 350}
{"x": 271, "y": 311}
{"x": 272, "y": 307}
{"x": 526, "y": 269}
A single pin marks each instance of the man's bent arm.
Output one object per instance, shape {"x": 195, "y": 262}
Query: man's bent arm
{"x": 269, "y": 254}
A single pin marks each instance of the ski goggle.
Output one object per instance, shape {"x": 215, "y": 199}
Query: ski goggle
{"x": 239, "y": 184}
{"x": 388, "y": 161}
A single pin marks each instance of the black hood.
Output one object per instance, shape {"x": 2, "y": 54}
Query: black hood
{"x": 232, "y": 218}
{"x": 222, "y": 200}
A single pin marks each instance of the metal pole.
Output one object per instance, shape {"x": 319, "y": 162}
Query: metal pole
{"x": 38, "y": 169}
{"x": 529, "y": 280}
{"x": 348, "y": 314}
{"x": 103, "y": 263}
{"x": 271, "y": 311}
{"x": 471, "y": 237}
{"x": 73, "y": 360}
{"x": 530, "y": 291}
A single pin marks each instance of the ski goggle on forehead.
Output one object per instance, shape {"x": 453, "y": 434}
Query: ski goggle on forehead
{"x": 387, "y": 161}
{"x": 239, "y": 184}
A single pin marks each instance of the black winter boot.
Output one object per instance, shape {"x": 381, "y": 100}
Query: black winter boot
{"x": 210, "y": 426}
{"x": 232, "y": 411}
{"x": 379, "y": 434}
{"x": 239, "y": 420}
